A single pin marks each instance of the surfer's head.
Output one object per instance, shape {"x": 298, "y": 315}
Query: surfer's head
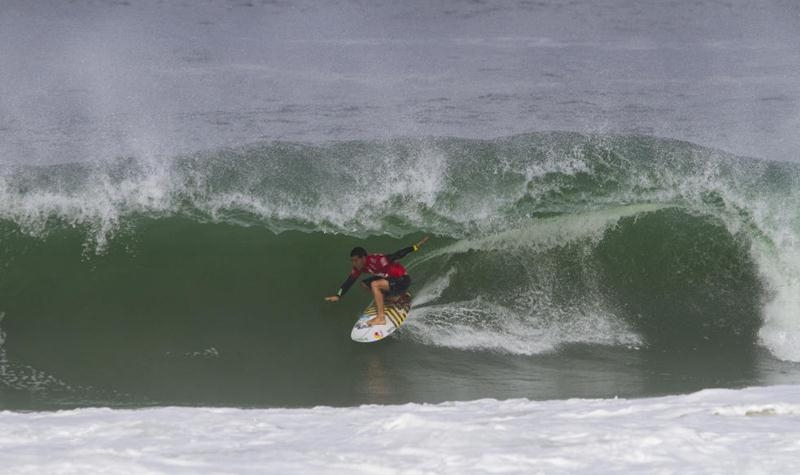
{"x": 358, "y": 256}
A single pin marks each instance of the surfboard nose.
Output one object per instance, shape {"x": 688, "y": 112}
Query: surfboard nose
{"x": 364, "y": 333}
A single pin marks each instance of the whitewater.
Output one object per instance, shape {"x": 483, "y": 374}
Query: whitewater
{"x": 713, "y": 431}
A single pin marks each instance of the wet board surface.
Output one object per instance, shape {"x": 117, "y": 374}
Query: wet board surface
{"x": 396, "y": 314}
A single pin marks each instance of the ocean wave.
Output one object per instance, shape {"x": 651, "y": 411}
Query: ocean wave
{"x": 543, "y": 239}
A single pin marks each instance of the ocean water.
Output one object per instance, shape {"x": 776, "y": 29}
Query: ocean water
{"x": 561, "y": 265}
{"x": 611, "y": 189}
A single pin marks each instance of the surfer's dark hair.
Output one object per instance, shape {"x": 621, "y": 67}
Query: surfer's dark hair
{"x": 358, "y": 251}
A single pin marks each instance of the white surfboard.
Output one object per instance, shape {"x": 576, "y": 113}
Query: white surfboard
{"x": 396, "y": 314}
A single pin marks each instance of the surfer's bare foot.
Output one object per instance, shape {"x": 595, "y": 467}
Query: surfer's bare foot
{"x": 376, "y": 321}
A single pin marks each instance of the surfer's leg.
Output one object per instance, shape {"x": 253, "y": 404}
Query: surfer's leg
{"x": 397, "y": 288}
{"x": 366, "y": 284}
{"x": 379, "y": 286}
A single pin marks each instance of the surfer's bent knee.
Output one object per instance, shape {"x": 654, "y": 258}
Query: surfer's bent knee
{"x": 377, "y": 282}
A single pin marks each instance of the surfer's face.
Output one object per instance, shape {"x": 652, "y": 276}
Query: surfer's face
{"x": 358, "y": 262}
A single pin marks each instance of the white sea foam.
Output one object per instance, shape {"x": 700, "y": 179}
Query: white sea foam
{"x": 548, "y": 233}
{"x": 752, "y": 430}
{"x": 781, "y": 329}
{"x": 530, "y": 322}
{"x": 480, "y": 325}
{"x": 433, "y": 289}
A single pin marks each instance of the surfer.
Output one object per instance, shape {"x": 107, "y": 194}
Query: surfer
{"x": 389, "y": 277}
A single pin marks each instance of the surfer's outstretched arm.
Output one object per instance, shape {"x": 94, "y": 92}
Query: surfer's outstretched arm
{"x": 406, "y": 250}
{"x": 345, "y": 287}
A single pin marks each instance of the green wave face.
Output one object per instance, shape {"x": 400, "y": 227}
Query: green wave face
{"x": 133, "y": 271}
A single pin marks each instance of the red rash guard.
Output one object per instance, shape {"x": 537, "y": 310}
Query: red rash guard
{"x": 379, "y": 265}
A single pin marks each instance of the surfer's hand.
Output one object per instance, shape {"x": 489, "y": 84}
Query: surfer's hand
{"x": 423, "y": 241}
{"x": 332, "y": 298}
